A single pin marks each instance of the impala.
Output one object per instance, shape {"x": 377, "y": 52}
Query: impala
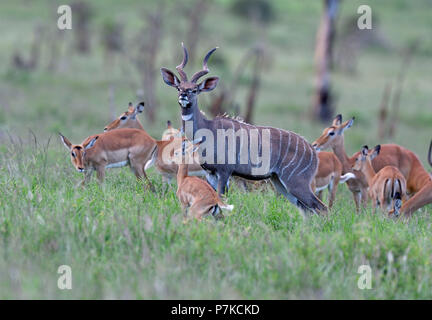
{"x": 385, "y": 186}
{"x": 196, "y": 196}
{"x": 127, "y": 119}
{"x": 162, "y": 150}
{"x": 332, "y": 137}
{"x": 329, "y": 175}
{"x": 170, "y": 132}
{"x": 112, "y": 149}
{"x": 263, "y": 152}
{"x": 419, "y": 182}
{"x": 164, "y": 162}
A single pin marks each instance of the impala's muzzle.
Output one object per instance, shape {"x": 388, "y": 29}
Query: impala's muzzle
{"x": 315, "y": 146}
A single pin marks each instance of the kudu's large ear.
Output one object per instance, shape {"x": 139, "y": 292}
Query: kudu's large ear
{"x": 208, "y": 84}
{"x": 65, "y": 141}
{"x": 91, "y": 143}
{"x": 170, "y": 78}
{"x": 337, "y": 120}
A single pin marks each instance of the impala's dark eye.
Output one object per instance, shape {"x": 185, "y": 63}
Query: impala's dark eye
{"x": 194, "y": 91}
{"x": 331, "y": 133}
{"x": 123, "y": 118}
{"x": 73, "y": 154}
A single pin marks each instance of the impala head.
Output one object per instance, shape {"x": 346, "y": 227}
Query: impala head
{"x": 332, "y": 135}
{"x": 188, "y": 90}
{"x": 127, "y": 119}
{"x": 365, "y": 157}
{"x": 77, "y": 151}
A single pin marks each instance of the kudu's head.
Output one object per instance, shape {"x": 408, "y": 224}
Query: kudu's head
{"x": 188, "y": 90}
{"x": 127, "y": 119}
{"x": 333, "y": 135}
{"x": 365, "y": 157}
{"x": 77, "y": 151}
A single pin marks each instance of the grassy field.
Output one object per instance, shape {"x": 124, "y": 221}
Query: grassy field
{"x": 123, "y": 242}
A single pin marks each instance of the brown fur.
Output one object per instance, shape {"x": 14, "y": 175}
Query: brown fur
{"x": 384, "y": 184}
{"x": 131, "y": 145}
{"x": 328, "y": 175}
{"x": 196, "y": 195}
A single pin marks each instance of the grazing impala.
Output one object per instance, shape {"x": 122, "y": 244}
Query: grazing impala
{"x": 329, "y": 175}
{"x": 385, "y": 186}
{"x": 127, "y": 119}
{"x": 112, "y": 149}
{"x": 170, "y": 132}
{"x": 196, "y": 195}
{"x": 419, "y": 182}
{"x": 332, "y": 137}
{"x": 263, "y": 152}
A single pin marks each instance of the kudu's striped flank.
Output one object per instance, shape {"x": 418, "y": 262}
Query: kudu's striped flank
{"x": 291, "y": 162}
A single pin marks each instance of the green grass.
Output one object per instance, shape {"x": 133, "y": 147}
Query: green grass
{"x": 123, "y": 242}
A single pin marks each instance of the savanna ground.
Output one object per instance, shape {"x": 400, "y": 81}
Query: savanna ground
{"x": 122, "y": 242}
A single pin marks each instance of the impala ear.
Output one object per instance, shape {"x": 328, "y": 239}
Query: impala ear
{"x": 208, "y": 84}
{"x": 375, "y": 152}
{"x": 140, "y": 107}
{"x": 91, "y": 143}
{"x": 170, "y": 78}
{"x": 346, "y": 125}
{"x": 65, "y": 141}
{"x": 337, "y": 120}
{"x": 131, "y": 109}
{"x": 365, "y": 151}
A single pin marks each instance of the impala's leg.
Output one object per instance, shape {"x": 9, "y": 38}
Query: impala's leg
{"x": 333, "y": 185}
{"x": 420, "y": 199}
{"x": 87, "y": 177}
{"x": 357, "y": 198}
{"x": 100, "y": 173}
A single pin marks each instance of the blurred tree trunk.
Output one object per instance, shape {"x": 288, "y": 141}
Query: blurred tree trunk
{"x": 82, "y": 13}
{"x": 323, "y": 100}
{"x": 255, "y": 84}
{"x": 196, "y": 17}
{"x": 146, "y": 60}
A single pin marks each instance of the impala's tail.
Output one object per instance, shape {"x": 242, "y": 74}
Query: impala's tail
{"x": 397, "y": 204}
{"x": 152, "y": 160}
{"x": 346, "y": 177}
{"x": 228, "y": 207}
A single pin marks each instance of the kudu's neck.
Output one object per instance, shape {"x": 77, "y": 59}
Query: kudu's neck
{"x": 198, "y": 121}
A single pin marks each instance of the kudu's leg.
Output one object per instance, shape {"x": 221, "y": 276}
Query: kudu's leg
{"x": 222, "y": 185}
